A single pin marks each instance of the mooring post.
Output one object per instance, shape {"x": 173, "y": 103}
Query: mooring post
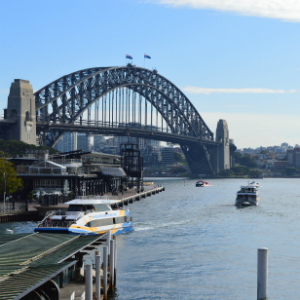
{"x": 98, "y": 275}
{"x": 112, "y": 265}
{"x": 115, "y": 260}
{"x": 262, "y": 274}
{"x": 107, "y": 244}
{"x": 88, "y": 282}
{"x": 105, "y": 249}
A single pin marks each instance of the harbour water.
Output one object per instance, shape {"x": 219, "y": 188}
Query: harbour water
{"x": 193, "y": 243}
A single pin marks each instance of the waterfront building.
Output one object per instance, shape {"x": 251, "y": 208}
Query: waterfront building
{"x": 76, "y": 171}
{"x": 292, "y": 156}
{"x": 68, "y": 142}
{"x": 151, "y": 156}
{"x": 167, "y": 155}
{"x": 99, "y": 142}
{"x": 281, "y": 164}
{"x": 82, "y": 142}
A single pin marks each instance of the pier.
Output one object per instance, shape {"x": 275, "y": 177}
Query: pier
{"x": 36, "y": 213}
{"x": 59, "y": 267}
{"x": 50, "y": 266}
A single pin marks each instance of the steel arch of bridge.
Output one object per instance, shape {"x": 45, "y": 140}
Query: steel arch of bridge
{"x": 65, "y": 100}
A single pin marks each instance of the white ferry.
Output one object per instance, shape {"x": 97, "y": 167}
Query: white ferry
{"x": 253, "y": 183}
{"x": 247, "y": 195}
{"x": 86, "y": 217}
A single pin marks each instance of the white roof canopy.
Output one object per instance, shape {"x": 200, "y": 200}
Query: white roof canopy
{"x": 91, "y": 201}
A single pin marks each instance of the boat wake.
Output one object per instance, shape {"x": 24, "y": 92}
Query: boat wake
{"x": 146, "y": 227}
{"x": 143, "y": 228}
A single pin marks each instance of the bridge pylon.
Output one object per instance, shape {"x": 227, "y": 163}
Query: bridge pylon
{"x": 21, "y": 113}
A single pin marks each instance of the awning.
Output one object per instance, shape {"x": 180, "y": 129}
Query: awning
{"x": 27, "y": 261}
{"x": 111, "y": 171}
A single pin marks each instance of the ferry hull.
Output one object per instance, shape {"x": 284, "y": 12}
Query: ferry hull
{"x": 243, "y": 203}
{"x": 126, "y": 228}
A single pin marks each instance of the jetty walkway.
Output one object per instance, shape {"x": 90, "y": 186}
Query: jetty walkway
{"x": 36, "y": 212}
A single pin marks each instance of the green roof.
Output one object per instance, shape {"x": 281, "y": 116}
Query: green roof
{"x": 6, "y": 238}
{"x": 17, "y": 286}
{"x": 28, "y": 259}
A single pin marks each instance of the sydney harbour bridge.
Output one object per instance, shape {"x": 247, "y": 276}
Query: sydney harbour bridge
{"x": 127, "y": 101}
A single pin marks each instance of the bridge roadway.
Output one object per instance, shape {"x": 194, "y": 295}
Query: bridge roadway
{"x": 125, "y": 131}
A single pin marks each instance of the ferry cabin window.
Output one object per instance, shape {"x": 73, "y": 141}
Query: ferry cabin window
{"x": 80, "y": 208}
{"x": 101, "y": 222}
{"x": 75, "y": 208}
{"x": 119, "y": 220}
{"x": 101, "y": 207}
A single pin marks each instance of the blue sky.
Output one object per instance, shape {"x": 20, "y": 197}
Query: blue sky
{"x": 235, "y": 59}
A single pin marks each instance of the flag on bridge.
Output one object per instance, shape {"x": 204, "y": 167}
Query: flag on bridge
{"x": 147, "y": 56}
{"x": 128, "y": 56}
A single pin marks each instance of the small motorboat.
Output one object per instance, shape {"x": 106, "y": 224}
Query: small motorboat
{"x": 202, "y": 183}
{"x": 247, "y": 196}
{"x": 253, "y": 183}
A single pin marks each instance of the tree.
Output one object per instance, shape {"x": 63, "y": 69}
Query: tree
{"x": 177, "y": 157}
{"x": 240, "y": 170}
{"x": 11, "y": 179}
{"x": 290, "y": 171}
{"x": 13, "y": 148}
{"x": 255, "y": 173}
{"x": 226, "y": 173}
{"x": 265, "y": 152}
{"x": 248, "y": 161}
{"x": 237, "y": 156}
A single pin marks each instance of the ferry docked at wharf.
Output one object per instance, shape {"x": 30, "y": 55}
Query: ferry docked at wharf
{"x": 247, "y": 195}
{"x": 87, "y": 216}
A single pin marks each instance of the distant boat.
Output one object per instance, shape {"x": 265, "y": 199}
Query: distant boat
{"x": 201, "y": 183}
{"x": 247, "y": 196}
{"x": 9, "y": 231}
{"x": 253, "y": 183}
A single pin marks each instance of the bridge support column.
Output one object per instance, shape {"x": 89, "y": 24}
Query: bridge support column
{"x": 222, "y": 136}
{"x": 21, "y": 112}
{"x": 215, "y": 159}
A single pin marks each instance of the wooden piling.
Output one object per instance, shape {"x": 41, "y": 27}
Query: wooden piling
{"x": 262, "y": 274}
{"x": 98, "y": 274}
{"x": 115, "y": 264}
{"x": 112, "y": 265}
{"x": 105, "y": 253}
{"x": 88, "y": 282}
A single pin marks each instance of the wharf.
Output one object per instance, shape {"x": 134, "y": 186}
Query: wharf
{"x": 132, "y": 195}
{"x": 37, "y": 212}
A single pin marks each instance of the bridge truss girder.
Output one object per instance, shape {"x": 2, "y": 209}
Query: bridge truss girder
{"x": 64, "y": 101}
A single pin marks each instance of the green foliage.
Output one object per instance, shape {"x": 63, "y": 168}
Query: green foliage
{"x": 177, "y": 157}
{"x": 237, "y": 156}
{"x": 264, "y": 152}
{"x": 255, "y": 173}
{"x": 70, "y": 195}
{"x": 12, "y": 182}
{"x": 240, "y": 170}
{"x": 247, "y": 161}
{"x": 13, "y": 148}
{"x": 30, "y": 195}
{"x": 289, "y": 171}
{"x": 227, "y": 173}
